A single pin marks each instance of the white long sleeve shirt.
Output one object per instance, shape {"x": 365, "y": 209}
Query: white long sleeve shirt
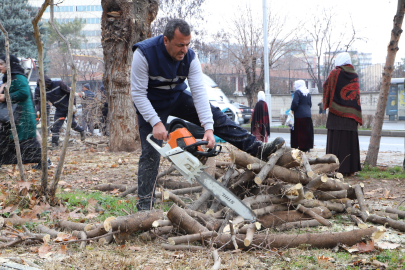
{"x": 139, "y": 86}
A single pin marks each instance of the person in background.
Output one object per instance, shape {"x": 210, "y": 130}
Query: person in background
{"x": 20, "y": 94}
{"x": 321, "y": 110}
{"x": 57, "y": 92}
{"x": 341, "y": 94}
{"x": 302, "y": 136}
{"x": 260, "y": 125}
{"x": 104, "y": 112}
{"x": 88, "y": 108}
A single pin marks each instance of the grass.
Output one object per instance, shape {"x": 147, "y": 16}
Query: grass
{"x": 113, "y": 206}
{"x": 395, "y": 172}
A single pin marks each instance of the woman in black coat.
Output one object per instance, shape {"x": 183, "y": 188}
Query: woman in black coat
{"x": 302, "y": 136}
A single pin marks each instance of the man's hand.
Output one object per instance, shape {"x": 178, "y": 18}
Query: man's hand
{"x": 160, "y": 132}
{"x": 2, "y": 97}
{"x": 2, "y": 88}
{"x": 209, "y": 136}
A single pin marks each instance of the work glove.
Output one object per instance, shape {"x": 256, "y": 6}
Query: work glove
{"x": 79, "y": 95}
{"x": 37, "y": 116}
{"x": 74, "y": 109}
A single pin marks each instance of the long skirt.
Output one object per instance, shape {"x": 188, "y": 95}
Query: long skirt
{"x": 30, "y": 151}
{"x": 345, "y": 145}
{"x": 302, "y": 137}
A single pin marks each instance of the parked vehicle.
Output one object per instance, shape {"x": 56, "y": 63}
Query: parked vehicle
{"x": 245, "y": 110}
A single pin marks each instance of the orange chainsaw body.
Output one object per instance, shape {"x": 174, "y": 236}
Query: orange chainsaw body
{"x": 182, "y": 137}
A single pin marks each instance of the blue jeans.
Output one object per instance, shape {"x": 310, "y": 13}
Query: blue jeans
{"x": 183, "y": 108}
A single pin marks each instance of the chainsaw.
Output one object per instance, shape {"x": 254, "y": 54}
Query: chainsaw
{"x": 186, "y": 154}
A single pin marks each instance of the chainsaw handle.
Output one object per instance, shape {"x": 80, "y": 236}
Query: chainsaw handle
{"x": 210, "y": 153}
{"x": 155, "y": 145}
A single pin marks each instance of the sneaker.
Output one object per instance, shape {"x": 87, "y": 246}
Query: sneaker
{"x": 82, "y": 135}
{"x": 266, "y": 149}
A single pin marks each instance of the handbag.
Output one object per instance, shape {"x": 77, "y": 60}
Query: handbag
{"x": 4, "y": 117}
{"x": 290, "y": 120}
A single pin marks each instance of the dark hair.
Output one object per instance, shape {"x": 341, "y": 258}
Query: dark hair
{"x": 174, "y": 24}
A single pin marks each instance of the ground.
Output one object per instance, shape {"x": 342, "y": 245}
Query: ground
{"x": 87, "y": 166}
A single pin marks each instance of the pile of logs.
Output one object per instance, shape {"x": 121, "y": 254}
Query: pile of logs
{"x": 286, "y": 192}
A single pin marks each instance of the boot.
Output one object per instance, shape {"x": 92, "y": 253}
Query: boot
{"x": 266, "y": 149}
{"x": 82, "y": 135}
{"x": 39, "y": 167}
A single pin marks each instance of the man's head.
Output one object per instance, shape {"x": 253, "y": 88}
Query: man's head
{"x": 86, "y": 87}
{"x": 177, "y": 38}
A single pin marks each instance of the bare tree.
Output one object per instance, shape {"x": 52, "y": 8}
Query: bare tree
{"x": 246, "y": 31}
{"x": 324, "y": 38}
{"x": 375, "y": 139}
{"x": 123, "y": 23}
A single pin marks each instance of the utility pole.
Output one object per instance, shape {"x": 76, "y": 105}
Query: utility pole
{"x": 266, "y": 59}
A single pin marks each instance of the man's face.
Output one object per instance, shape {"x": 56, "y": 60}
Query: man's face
{"x": 178, "y": 46}
{"x": 84, "y": 88}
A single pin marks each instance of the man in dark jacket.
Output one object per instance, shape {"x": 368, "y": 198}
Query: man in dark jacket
{"x": 104, "y": 112}
{"x": 88, "y": 108}
{"x": 57, "y": 92}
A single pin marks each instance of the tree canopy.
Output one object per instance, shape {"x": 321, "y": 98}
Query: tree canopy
{"x": 16, "y": 18}
{"x": 71, "y": 31}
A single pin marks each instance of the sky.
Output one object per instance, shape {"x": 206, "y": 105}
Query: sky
{"x": 372, "y": 19}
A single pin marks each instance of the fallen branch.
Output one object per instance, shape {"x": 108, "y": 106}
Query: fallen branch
{"x": 306, "y": 165}
{"x": 291, "y": 158}
{"x": 132, "y": 223}
{"x": 110, "y": 187}
{"x": 191, "y": 238}
{"x": 269, "y": 165}
{"x": 397, "y": 225}
{"x": 298, "y": 224}
{"x": 250, "y": 231}
{"x": 311, "y": 213}
{"x": 400, "y": 213}
{"x": 328, "y": 158}
{"x": 315, "y": 240}
{"x": 182, "y": 247}
{"x": 217, "y": 260}
{"x": 361, "y": 202}
{"x": 44, "y": 229}
{"x": 153, "y": 233}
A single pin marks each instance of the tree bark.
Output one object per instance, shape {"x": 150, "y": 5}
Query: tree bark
{"x": 118, "y": 36}
{"x": 374, "y": 146}
{"x": 132, "y": 223}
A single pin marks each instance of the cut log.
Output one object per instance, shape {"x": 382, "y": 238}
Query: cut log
{"x": 298, "y": 224}
{"x": 128, "y": 191}
{"x": 44, "y": 229}
{"x": 245, "y": 182}
{"x": 82, "y": 236}
{"x": 251, "y": 229}
{"x": 330, "y": 195}
{"x": 385, "y": 214}
{"x": 397, "y": 225}
{"x": 361, "y": 202}
{"x": 262, "y": 175}
{"x": 211, "y": 223}
{"x": 400, "y": 213}
{"x": 152, "y": 234}
{"x": 161, "y": 223}
{"x": 315, "y": 240}
{"x": 177, "y": 185}
{"x": 166, "y": 172}
{"x": 324, "y": 168}
{"x": 217, "y": 260}
{"x": 181, "y": 219}
{"x": 306, "y": 165}
{"x": 280, "y": 217}
{"x": 191, "y": 238}
{"x": 270, "y": 209}
{"x": 73, "y": 226}
{"x": 243, "y": 159}
{"x": 316, "y": 182}
{"x": 276, "y": 199}
{"x": 205, "y": 196}
{"x": 358, "y": 222}
{"x": 312, "y": 214}
{"x": 135, "y": 222}
{"x": 332, "y": 206}
{"x": 170, "y": 196}
{"x": 99, "y": 230}
{"x": 223, "y": 163}
{"x": 17, "y": 221}
{"x": 291, "y": 158}
{"x": 110, "y": 187}
{"x": 328, "y": 158}
{"x": 182, "y": 247}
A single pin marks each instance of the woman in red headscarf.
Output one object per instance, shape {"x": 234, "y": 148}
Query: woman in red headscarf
{"x": 341, "y": 94}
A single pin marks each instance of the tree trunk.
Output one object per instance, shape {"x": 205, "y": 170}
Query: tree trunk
{"x": 118, "y": 36}
{"x": 374, "y": 146}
